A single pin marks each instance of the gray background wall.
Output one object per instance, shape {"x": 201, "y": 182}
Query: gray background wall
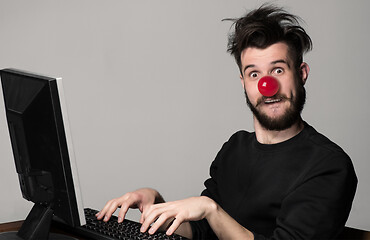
{"x": 152, "y": 94}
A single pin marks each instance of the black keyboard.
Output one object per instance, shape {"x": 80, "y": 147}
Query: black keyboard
{"x": 127, "y": 230}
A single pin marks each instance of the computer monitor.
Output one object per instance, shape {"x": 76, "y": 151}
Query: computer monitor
{"x": 43, "y": 151}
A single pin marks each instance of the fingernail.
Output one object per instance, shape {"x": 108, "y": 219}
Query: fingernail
{"x": 105, "y": 218}
{"x": 142, "y": 229}
{"x": 119, "y": 219}
{"x": 151, "y": 231}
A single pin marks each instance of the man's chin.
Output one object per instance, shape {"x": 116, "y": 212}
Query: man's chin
{"x": 275, "y": 118}
{"x": 274, "y": 114}
{"x": 277, "y": 123}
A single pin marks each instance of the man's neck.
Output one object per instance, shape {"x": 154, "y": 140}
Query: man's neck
{"x": 265, "y": 136}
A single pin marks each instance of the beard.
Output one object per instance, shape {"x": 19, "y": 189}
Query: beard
{"x": 291, "y": 116}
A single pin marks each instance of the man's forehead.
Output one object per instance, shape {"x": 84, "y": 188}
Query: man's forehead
{"x": 269, "y": 55}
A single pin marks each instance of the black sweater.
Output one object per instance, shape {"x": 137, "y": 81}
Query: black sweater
{"x": 298, "y": 189}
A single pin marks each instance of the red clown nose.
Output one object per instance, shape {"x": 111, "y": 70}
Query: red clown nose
{"x": 268, "y": 86}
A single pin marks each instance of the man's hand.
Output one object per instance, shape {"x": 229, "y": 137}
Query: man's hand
{"x": 172, "y": 214}
{"x": 141, "y": 199}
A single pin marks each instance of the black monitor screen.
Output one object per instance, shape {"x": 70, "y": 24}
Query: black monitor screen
{"x": 41, "y": 143}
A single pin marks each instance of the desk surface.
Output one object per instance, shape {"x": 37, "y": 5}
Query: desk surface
{"x": 15, "y": 226}
{"x": 11, "y": 226}
{"x": 348, "y": 233}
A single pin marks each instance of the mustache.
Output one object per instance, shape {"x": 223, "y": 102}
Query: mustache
{"x": 282, "y": 97}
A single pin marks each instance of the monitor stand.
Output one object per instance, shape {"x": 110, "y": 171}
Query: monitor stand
{"x": 36, "y": 226}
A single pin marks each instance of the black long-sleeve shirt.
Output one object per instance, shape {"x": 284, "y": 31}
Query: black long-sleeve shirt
{"x": 302, "y": 188}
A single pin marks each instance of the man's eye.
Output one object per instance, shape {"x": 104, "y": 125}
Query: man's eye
{"x": 278, "y": 70}
{"x": 253, "y": 75}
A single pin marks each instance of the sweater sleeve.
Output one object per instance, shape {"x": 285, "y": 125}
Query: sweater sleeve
{"x": 318, "y": 208}
{"x": 201, "y": 229}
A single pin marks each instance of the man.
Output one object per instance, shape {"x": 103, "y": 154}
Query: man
{"x": 285, "y": 180}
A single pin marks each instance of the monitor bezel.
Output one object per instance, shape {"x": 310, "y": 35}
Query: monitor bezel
{"x": 63, "y": 125}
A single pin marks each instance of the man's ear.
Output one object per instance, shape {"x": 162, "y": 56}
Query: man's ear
{"x": 242, "y": 80}
{"x": 304, "y": 70}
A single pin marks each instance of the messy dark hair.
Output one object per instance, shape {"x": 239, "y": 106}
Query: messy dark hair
{"x": 265, "y": 26}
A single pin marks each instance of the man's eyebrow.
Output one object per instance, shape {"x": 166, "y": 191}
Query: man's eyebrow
{"x": 248, "y": 66}
{"x": 280, "y": 61}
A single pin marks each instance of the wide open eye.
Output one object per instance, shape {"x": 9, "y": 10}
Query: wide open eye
{"x": 278, "y": 71}
{"x": 253, "y": 75}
